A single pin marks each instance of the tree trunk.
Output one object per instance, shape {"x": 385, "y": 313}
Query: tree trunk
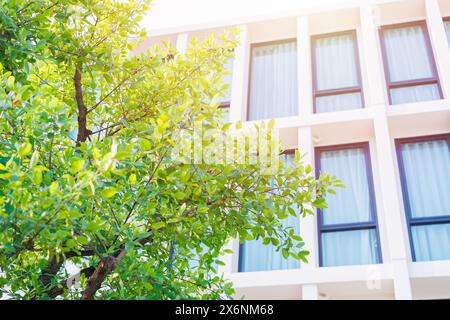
{"x": 83, "y": 133}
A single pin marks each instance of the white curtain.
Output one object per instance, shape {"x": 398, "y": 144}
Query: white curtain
{"x": 407, "y": 54}
{"x": 273, "y": 87}
{"x": 255, "y": 256}
{"x": 335, "y": 69}
{"x": 227, "y": 78}
{"x": 352, "y": 203}
{"x": 349, "y": 248}
{"x": 339, "y": 102}
{"x": 259, "y": 257}
{"x": 427, "y": 171}
{"x": 447, "y": 28}
{"x": 335, "y": 62}
{"x": 431, "y": 242}
{"x": 415, "y": 94}
{"x": 408, "y": 59}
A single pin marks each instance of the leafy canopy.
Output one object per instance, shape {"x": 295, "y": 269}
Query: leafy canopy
{"x": 87, "y": 177}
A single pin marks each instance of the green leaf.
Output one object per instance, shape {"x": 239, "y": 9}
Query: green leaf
{"x": 320, "y": 203}
{"x": 108, "y": 192}
{"x": 158, "y": 225}
{"x": 24, "y": 149}
{"x": 76, "y": 165}
{"x": 143, "y": 235}
{"x": 54, "y": 187}
{"x": 202, "y": 209}
{"x": 179, "y": 195}
{"x": 11, "y": 81}
{"x": 285, "y": 253}
{"x": 132, "y": 179}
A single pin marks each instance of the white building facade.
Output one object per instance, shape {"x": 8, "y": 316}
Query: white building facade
{"x": 362, "y": 87}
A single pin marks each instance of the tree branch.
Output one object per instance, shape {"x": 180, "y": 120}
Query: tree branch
{"x": 115, "y": 88}
{"x": 83, "y": 132}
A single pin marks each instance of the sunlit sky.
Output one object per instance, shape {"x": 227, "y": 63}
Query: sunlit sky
{"x": 172, "y": 13}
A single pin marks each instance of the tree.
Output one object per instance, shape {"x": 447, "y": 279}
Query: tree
{"x": 87, "y": 173}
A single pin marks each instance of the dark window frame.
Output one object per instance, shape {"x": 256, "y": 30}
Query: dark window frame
{"x": 370, "y": 225}
{"x": 240, "y": 267}
{"x": 225, "y": 105}
{"x": 250, "y": 64}
{"x": 338, "y": 91}
{"x": 411, "y": 221}
{"x": 434, "y": 79}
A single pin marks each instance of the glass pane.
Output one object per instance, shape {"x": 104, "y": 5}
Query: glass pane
{"x": 258, "y": 257}
{"x": 255, "y": 256}
{"x": 273, "y": 87}
{"x": 415, "y": 94}
{"x": 349, "y": 248}
{"x": 225, "y": 114}
{"x": 447, "y": 28}
{"x": 431, "y": 242}
{"x": 336, "y": 62}
{"x": 227, "y": 79}
{"x": 339, "y": 102}
{"x": 407, "y": 54}
{"x": 352, "y": 203}
{"x": 427, "y": 174}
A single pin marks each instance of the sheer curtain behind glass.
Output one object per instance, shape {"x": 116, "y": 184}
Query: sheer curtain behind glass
{"x": 408, "y": 59}
{"x": 273, "y": 87}
{"x": 427, "y": 173}
{"x": 447, "y": 28}
{"x": 346, "y": 248}
{"x": 258, "y": 257}
{"x": 336, "y": 68}
{"x": 351, "y": 204}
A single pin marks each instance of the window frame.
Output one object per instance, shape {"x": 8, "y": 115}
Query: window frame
{"x": 338, "y": 91}
{"x": 225, "y": 105}
{"x": 250, "y": 66}
{"x": 284, "y": 152}
{"x": 342, "y": 227}
{"x": 434, "y": 79}
{"x": 410, "y": 220}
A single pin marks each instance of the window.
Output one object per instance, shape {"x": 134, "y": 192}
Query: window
{"x": 409, "y": 64}
{"x": 447, "y": 28}
{"x": 424, "y": 164}
{"x": 273, "y": 80}
{"x": 255, "y": 256}
{"x": 348, "y": 227}
{"x": 227, "y": 80}
{"x": 336, "y": 72}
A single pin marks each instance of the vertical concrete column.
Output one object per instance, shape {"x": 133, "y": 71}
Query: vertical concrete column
{"x": 308, "y": 225}
{"x": 310, "y": 292}
{"x": 182, "y": 42}
{"x": 304, "y": 73}
{"x": 391, "y": 202}
{"x": 239, "y": 86}
{"x": 439, "y": 44}
{"x": 371, "y": 63}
